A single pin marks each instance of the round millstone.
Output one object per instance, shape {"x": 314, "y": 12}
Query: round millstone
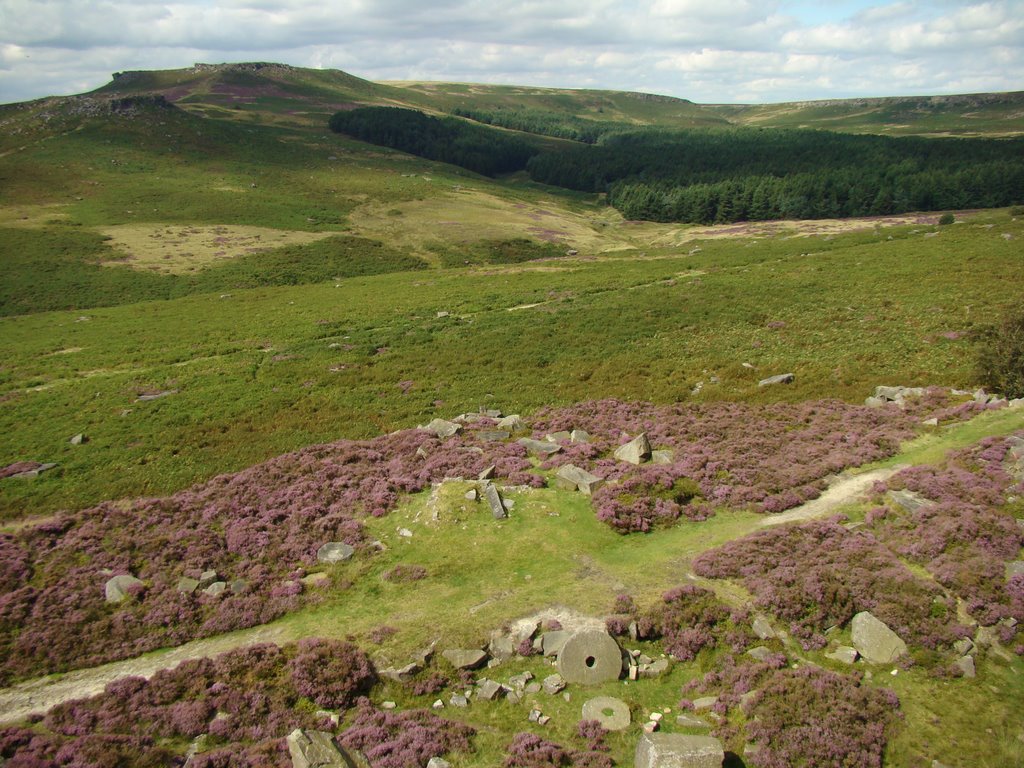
{"x": 590, "y": 657}
{"x": 611, "y": 713}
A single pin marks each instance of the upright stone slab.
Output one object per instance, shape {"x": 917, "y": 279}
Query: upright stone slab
{"x": 590, "y": 657}
{"x": 874, "y": 640}
{"x": 636, "y": 451}
{"x": 675, "y": 750}
{"x": 116, "y": 589}
{"x": 493, "y": 499}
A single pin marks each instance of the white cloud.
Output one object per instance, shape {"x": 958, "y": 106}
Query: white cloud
{"x": 705, "y": 50}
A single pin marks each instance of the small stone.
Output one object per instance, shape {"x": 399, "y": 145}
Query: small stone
{"x": 656, "y": 668}
{"x": 512, "y": 423}
{"x": 963, "y": 646}
{"x": 579, "y": 436}
{"x": 238, "y": 586}
{"x": 442, "y": 429}
{"x": 437, "y": 705}
{"x": 464, "y": 658}
{"x": 656, "y": 716}
{"x": 388, "y": 705}
{"x": 458, "y": 700}
{"x": 315, "y": 749}
{"x": 543, "y": 720}
{"x": 761, "y": 653}
{"x": 487, "y": 474}
{"x": 533, "y": 688}
{"x": 186, "y": 585}
{"x": 762, "y": 628}
{"x": 206, "y": 578}
{"x": 405, "y": 533}
{"x": 650, "y": 726}
{"x": 488, "y": 690}
{"x": 79, "y": 439}
{"x": 539, "y": 448}
{"x": 558, "y": 437}
{"x": 663, "y": 456}
{"x": 332, "y": 717}
{"x": 437, "y": 762}
{"x": 689, "y": 721}
{"x": 534, "y": 716}
{"x": 315, "y": 580}
{"x": 401, "y": 674}
{"x": 472, "y": 494}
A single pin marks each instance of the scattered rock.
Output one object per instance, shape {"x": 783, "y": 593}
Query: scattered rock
{"x": 472, "y": 494}
{"x": 206, "y": 578}
{"x": 487, "y": 473}
{"x": 908, "y": 500}
{"x": 156, "y": 395}
{"x": 401, "y": 674}
{"x": 539, "y": 448}
{"x": 636, "y": 451}
{"x": 705, "y": 702}
{"x": 760, "y": 653}
{"x": 238, "y": 586}
{"x": 334, "y": 552}
{"x": 313, "y": 580}
{"x": 676, "y": 750}
{"x": 405, "y": 533}
{"x": 655, "y": 668}
{"x": 316, "y": 749}
{"x": 844, "y": 654}
{"x": 501, "y": 646}
{"x": 663, "y": 456}
{"x": 963, "y": 646}
{"x": 559, "y": 437}
{"x": 79, "y": 439}
{"x": 512, "y": 423}
{"x": 611, "y": 713}
{"x": 32, "y": 469}
{"x": 553, "y": 684}
{"x": 874, "y": 640}
{"x": 488, "y": 690}
{"x": 590, "y": 657}
{"x": 215, "y": 589}
{"x": 781, "y": 378}
{"x": 572, "y": 478}
{"x": 762, "y": 627}
{"x": 493, "y": 435}
{"x": 186, "y": 585}
{"x": 686, "y": 720}
{"x": 966, "y": 665}
{"x": 465, "y": 658}
{"x": 579, "y": 436}
{"x": 437, "y": 762}
{"x": 117, "y": 588}
{"x": 442, "y": 428}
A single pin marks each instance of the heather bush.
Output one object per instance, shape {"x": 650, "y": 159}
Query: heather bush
{"x": 331, "y": 672}
{"x": 433, "y": 683}
{"x": 809, "y": 717}
{"x": 689, "y": 619}
{"x": 405, "y": 573}
{"x": 403, "y": 739}
{"x": 819, "y": 574}
{"x": 528, "y": 750}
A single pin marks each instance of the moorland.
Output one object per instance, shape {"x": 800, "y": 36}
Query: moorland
{"x": 234, "y": 294}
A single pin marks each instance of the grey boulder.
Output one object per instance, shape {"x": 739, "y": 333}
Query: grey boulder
{"x": 676, "y": 750}
{"x": 874, "y": 640}
{"x": 117, "y": 588}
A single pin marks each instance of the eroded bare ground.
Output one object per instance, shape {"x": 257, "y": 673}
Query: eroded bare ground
{"x": 847, "y": 489}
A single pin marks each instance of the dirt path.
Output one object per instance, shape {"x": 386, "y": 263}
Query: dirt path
{"x": 42, "y": 694}
{"x": 845, "y": 490}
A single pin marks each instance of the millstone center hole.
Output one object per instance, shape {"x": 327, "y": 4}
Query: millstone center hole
{"x": 608, "y": 712}
{"x": 590, "y": 661}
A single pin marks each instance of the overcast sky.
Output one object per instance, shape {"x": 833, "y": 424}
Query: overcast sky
{"x": 710, "y": 51}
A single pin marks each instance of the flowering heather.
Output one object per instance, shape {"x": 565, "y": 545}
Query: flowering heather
{"x": 404, "y": 739}
{"x": 820, "y": 574}
{"x": 528, "y": 750}
{"x": 261, "y": 526}
{"x": 769, "y": 458}
{"x": 965, "y": 538}
{"x": 811, "y": 718}
{"x": 247, "y": 700}
{"x": 690, "y": 619}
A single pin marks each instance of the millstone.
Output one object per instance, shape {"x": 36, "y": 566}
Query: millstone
{"x": 611, "y": 713}
{"x": 590, "y": 657}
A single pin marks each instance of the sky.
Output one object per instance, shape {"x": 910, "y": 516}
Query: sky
{"x": 708, "y": 51}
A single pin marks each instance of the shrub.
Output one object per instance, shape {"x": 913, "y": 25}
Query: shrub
{"x": 1000, "y": 361}
{"x": 331, "y": 672}
{"x": 946, "y": 218}
{"x": 404, "y": 739}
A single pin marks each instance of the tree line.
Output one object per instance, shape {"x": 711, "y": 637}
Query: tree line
{"x": 714, "y": 175}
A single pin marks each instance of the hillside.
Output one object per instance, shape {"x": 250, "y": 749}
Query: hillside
{"x": 320, "y": 420}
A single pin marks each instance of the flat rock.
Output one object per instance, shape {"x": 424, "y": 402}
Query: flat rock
{"x": 401, "y": 674}
{"x": 611, "y": 713}
{"x": 465, "y": 658}
{"x": 117, "y": 587}
{"x": 590, "y": 657}
{"x": 493, "y": 435}
{"x": 334, "y": 552}
{"x": 501, "y": 646}
{"x": 553, "y": 684}
{"x": 215, "y": 589}
{"x": 207, "y": 577}
{"x": 908, "y": 500}
{"x": 579, "y": 436}
{"x": 186, "y": 585}
{"x": 966, "y": 665}
{"x": 781, "y": 378}
{"x": 437, "y": 762}
{"x": 513, "y": 423}
{"x": 488, "y": 690}
{"x": 559, "y": 437}
{"x": 843, "y": 654}
{"x": 762, "y": 627}
{"x": 686, "y": 720}
{"x": 35, "y": 470}
{"x": 676, "y": 750}
{"x": 760, "y": 653}
{"x": 156, "y": 395}
{"x": 663, "y": 456}
{"x": 705, "y": 702}
{"x": 572, "y": 478}
{"x": 539, "y": 448}
{"x": 442, "y": 428}
{"x": 874, "y": 640}
{"x": 655, "y": 668}
{"x": 636, "y": 451}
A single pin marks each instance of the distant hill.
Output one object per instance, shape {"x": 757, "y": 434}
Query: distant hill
{"x": 279, "y": 92}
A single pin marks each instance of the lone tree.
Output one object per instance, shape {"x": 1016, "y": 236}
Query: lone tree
{"x": 1001, "y": 356}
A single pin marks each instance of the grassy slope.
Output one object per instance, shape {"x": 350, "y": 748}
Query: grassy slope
{"x": 635, "y": 315}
